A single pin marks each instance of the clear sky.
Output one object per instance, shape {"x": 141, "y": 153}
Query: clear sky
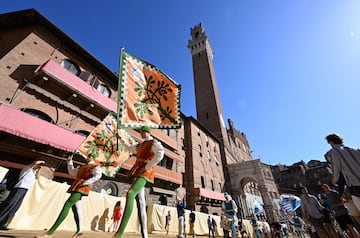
{"x": 288, "y": 71}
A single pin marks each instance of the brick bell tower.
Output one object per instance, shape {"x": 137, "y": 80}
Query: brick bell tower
{"x": 236, "y": 160}
{"x": 208, "y": 106}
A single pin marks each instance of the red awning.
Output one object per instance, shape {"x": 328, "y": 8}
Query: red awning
{"x": 21, "y": 124}
{"x": 53, "y": 69}
{"x": 209, "y": 194}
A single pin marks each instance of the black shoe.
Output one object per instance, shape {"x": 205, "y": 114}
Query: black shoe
{"x": 4, "y": 228}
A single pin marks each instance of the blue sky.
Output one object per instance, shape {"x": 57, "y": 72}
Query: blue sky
{"x": 287, "y": 70}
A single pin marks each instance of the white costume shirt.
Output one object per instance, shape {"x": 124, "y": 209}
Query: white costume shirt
{"x": 156, "y": 148}
{"x": 96, "y": 172}
{"x": 27, "y": 178}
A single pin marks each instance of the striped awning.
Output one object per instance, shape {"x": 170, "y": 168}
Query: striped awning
{"x": 18, "y": 123}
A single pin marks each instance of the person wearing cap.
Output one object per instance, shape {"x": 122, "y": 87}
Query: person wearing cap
{"x": 230, "y": 209}
{"x": 148, "y": 153}
{"x": 85, "y": 176}
{"x": 23, "y": 183}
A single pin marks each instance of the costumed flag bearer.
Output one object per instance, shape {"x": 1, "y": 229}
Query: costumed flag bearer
{"x": 148, "y": 153}
{"x": 85, "y": 176}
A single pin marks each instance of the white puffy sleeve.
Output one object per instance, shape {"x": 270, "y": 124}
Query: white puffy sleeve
{"x": 71, "y": 169}
{"x": 158, "y": 151}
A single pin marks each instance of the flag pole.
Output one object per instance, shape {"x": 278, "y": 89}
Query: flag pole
{"x": 119, "y": 86}
{"x": 119, "y": 94}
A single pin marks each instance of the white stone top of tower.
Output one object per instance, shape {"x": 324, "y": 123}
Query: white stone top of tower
{"x": 199, "y": 41}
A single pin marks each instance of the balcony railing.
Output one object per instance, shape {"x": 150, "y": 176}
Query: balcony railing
{"x": 52, "y": 69}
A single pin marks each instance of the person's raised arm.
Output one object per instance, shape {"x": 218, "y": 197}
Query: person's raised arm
{"x": 130, "y": 147}
{"x": 158, "y": 151}
{"x": 70, "y": 166}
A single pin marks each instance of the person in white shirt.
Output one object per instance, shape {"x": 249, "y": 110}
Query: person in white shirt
{"x": 345, "y": 160}
{"x": 12, "y": 203}
{"x": 313, "y": 212}
{"x": 230, "y": 210}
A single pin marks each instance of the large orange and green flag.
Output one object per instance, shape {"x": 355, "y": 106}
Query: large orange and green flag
{"x": 104, "y": 145}
{"x": 146, "y": 96}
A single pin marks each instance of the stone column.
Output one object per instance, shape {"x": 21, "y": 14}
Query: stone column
{"x": 268, "y": 205}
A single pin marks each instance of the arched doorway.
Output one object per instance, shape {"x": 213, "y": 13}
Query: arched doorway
{"x": 251, "y": 172}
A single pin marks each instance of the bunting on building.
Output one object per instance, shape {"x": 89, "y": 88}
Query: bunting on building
{"x": 103, "y": 144}
{"x": 146, "y": 96}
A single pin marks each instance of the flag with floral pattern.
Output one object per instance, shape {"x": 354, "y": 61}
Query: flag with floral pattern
{"x": 146, "y": 96}
{"x": 104, "y": 145}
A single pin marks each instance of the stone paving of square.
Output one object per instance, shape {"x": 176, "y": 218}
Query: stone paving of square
{"x": 68, "y": 234}
{"x": 87, "y": 234}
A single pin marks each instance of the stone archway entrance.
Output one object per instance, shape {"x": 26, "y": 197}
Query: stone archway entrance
{"x": 251, "y": 171}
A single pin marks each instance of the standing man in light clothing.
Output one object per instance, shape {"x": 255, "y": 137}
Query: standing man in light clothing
{"x": 230, "y": 209}
{"x": 26, "y": 180}
{"x": 312, "y": 211}
{"x": 346, "y": 160}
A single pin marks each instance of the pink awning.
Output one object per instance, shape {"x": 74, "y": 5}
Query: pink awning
{"x": 53, "y": 69}
{"x": 21, "y": 124}
{"x": 209, "y": 194}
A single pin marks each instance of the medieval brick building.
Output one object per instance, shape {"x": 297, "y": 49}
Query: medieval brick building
{"x": 53, "y": 93}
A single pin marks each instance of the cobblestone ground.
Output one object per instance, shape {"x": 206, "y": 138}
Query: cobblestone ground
{"x": 88, "y": 234}
{"x": 68, "y": 234}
